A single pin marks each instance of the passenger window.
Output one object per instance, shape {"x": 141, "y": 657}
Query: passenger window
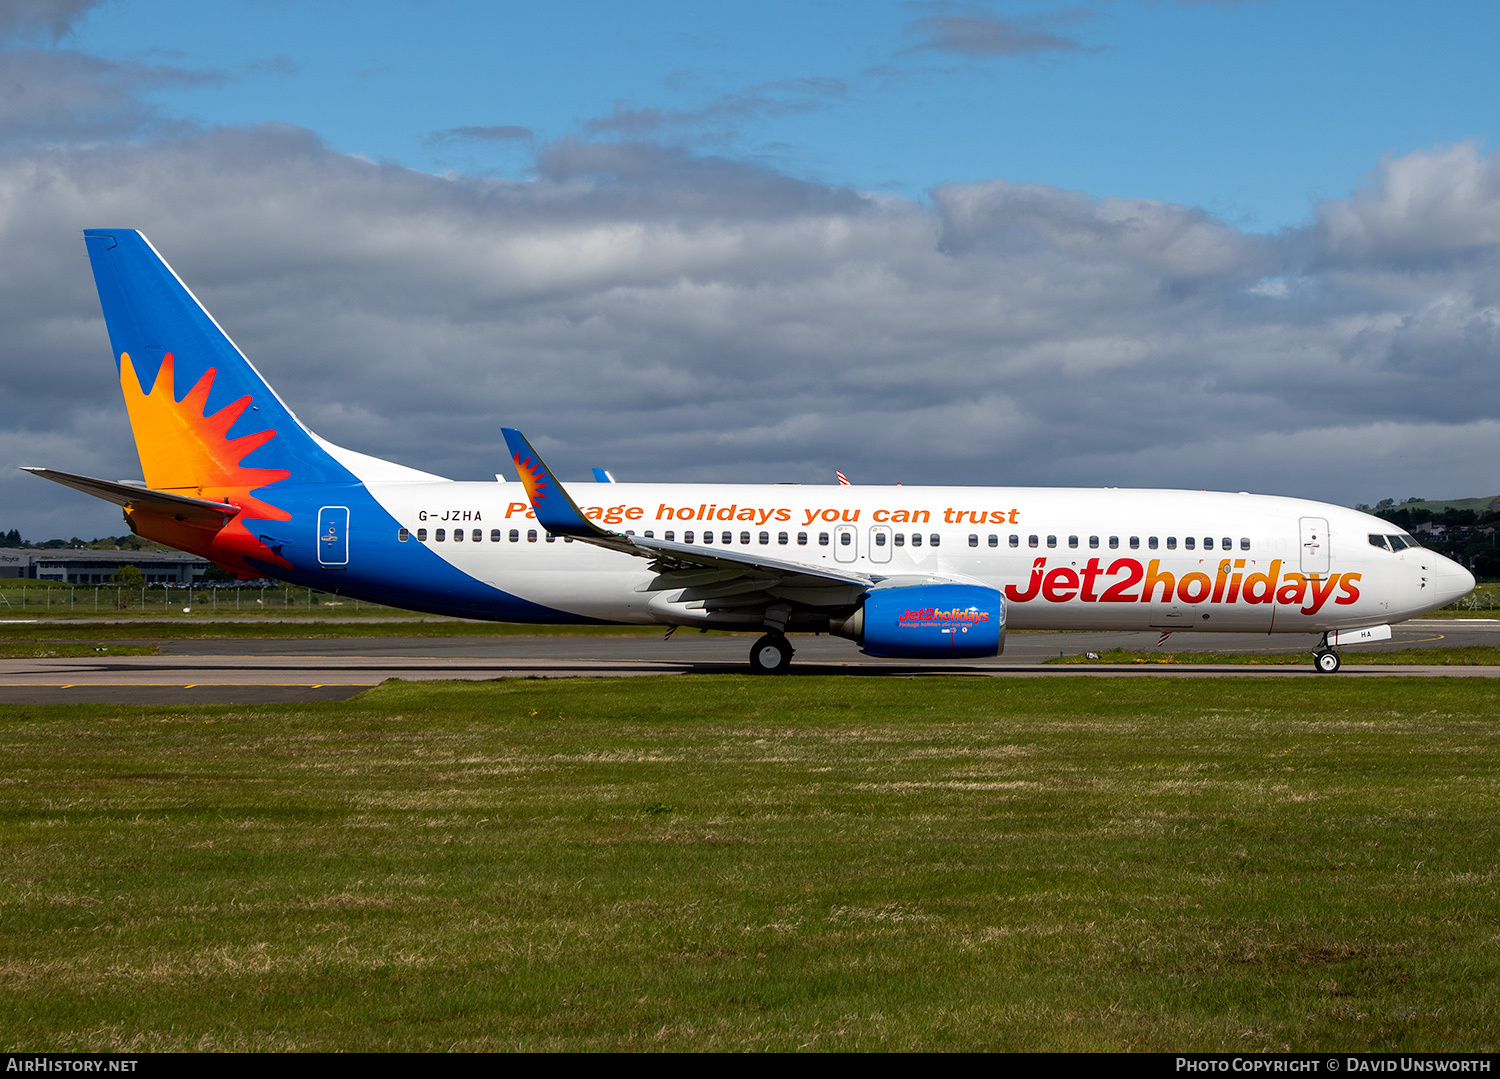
{"x": 822, "y": 539}
{"x": 1171, "y": 543}
{"x": 745, "y": 538}
{"x": 1051, "y": 541}
{"x": 900, "y": 539}
{"x": 439, "y": 535}
{"x": 1114, "y": 543}
{"x": 1015, "y": 541}
{"x": 669, "y": 536}
{"x": 649, "y": 534}
{"x": 781, "y": 538}
{"x": 916, "y": 539}
{"x": 1226, "y": 544}
{"x": 708, "y": 537}
{"x": 973, "y": 539}
{"x": 844, "y": 538}
{"x": 515, "y": 535}
{"x": 531, "y": 535}
{"x": 458, "y": 535}
{"x": 801, "y": 539}
{"x": 1151, "y": 543}
{"x": 933, "y": 540}
{"x": 552, "y": 538}
{"x": 765, "y": 538}
{"x": 994, "y": 540}
{"x": 495, "y": 535}
{"x": 1031, "y": 541}
{"x": 1244, "y": 543}
{"x": 477, "y": 535}
{"x": 1208, "y": 543}
{"x": 402, "y": 535}
{"x": 1072, "y": 541}
{"x": 880, "y": 539}
{"x": 1093, "y": 543}
{"x": 687, "y": 537}
{"x": 727, "y": 537}
{"x": 421, "y": 535}
{"x": 1188, "y": 541}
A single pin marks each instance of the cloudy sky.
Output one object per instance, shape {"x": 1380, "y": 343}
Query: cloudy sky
{"x": 1245, "y": 245}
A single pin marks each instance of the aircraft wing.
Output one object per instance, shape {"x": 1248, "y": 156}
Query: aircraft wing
{"x": 678, "y": 565}
{"x": 131, "y": 496}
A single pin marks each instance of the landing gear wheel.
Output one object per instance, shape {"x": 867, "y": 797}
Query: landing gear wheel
{"x": 1326, "y": 661}
{"x": 772, "y": 654}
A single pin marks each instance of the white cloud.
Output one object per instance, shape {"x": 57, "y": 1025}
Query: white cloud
{"x": 679, "y": 317}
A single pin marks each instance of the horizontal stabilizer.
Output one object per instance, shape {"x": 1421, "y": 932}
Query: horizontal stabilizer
{"x": 143, "y": 498}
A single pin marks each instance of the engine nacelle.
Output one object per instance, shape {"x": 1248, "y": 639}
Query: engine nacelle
{"x": 929, "y": 621}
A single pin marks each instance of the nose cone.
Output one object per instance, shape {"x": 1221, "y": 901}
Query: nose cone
{"x": 1449, "y": 580}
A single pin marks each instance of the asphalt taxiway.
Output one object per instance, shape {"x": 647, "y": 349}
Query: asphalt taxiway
{"x": 287, "y": 670}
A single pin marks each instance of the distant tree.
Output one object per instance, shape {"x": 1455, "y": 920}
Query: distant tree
{"x": 12, "y": 539}
{"x": 129, "y": 577}
{"x": 1385, "y": 503}
{"x": 1409, "y": 501}
{"x": 214, "y": 573}
{"x": 1362, "y": 507}
{"x": 1487, "y": 563}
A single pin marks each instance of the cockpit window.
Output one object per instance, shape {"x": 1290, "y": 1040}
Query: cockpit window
{"x": 1379, "y": 541}
{"x": 1400, "y": 542}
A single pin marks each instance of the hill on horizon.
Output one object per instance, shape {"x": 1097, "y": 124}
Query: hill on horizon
{"x": 1481, "y": 505}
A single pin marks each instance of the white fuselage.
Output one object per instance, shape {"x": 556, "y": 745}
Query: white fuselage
{"x": 1065, "y": 558}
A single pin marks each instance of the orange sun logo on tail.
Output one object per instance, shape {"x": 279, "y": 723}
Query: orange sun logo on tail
{"x": 186, "y": 451}
{"x": 533, "y": 478}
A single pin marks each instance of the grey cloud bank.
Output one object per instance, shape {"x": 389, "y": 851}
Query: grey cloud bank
{"x": 681, "y": 317}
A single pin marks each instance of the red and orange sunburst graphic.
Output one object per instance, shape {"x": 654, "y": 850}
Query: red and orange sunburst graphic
{"x": 533, "y": 478}
{"x": 186, "y": 451}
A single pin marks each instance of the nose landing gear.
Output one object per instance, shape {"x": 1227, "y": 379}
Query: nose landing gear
{"x": 772, "y": 654}
{"x": 1325, "y": 659}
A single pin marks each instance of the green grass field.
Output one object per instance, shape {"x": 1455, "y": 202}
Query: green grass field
{"x": 739, "y": 863}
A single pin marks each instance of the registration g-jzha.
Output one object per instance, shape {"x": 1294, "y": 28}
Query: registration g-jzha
{"x": 229, "y": 473}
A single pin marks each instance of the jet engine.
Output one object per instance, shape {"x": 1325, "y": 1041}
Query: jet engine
{"x": 928, "y": 621}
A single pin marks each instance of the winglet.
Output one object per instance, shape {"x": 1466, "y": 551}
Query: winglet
{"x": 554, "y": 507}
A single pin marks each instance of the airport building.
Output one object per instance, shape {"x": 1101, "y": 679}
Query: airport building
{"x": 77, "y": 565}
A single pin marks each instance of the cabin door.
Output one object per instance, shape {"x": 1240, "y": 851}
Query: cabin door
{"x": 1314, "y": 546}
{"x": 333, "y": 537}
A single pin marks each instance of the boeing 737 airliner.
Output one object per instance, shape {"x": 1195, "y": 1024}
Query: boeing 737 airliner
{"x": 923, "y": 572}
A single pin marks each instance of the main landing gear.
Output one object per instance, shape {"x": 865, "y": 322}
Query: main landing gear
{"x": 1325, "y": 659}
{"x": 772, "y": 654}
